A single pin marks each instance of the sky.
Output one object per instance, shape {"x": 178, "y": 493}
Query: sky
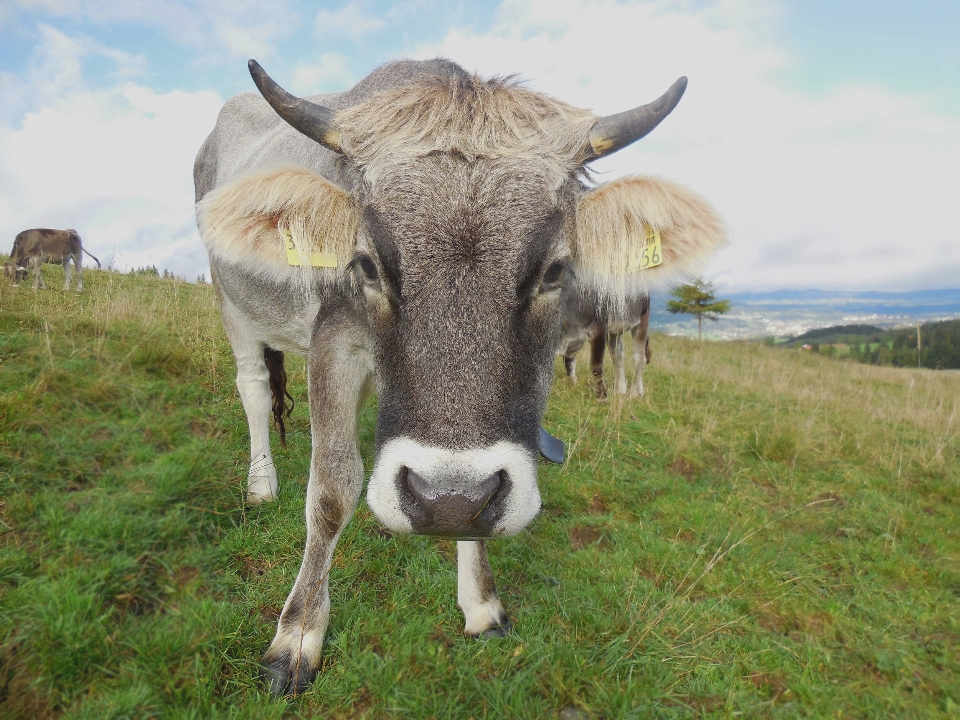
{"x": 826, "y": 132}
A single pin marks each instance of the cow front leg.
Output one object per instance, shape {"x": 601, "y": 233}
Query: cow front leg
{"x": 598, "y": 346}
{"x": 339, "y": 380}
{"x": 640, "y": 360}
{"x": 641, "y": 354}
{"x": 37, "y": 274}
{"x": 477, "y": 592}
{"x": 293, "y": 659}
{"x": 616, "y": 354}
{"x": 570, "y": 358}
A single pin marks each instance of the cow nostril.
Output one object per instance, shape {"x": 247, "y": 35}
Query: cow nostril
{"x": 450, "y": 503}
{"x": 486, "y": 491}
{"x": 418, "y": 487}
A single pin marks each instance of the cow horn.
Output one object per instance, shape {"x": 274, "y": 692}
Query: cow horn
{"x": 614, "y": 132}
{"x": 314, "y": 121}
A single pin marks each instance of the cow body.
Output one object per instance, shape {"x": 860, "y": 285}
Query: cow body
{"x": 589, "y": 319}
{"x": 423, "y": 238}
{"x": 32, "y": 248}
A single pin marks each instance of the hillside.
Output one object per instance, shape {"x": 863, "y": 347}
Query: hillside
{"x": 836, "y": 333}
{"x": 766, "y": 534}
{"x": 939, "y": 344}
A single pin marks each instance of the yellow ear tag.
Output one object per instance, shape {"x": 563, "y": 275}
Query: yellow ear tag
{"x": 652, "y": 253}
{"x": 317, "y": 259}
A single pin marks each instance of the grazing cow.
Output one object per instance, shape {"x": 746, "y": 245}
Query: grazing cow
{"x": 423, "y": 230}
{"x": 589, "y": 318}
{"x": 32, "y": 248}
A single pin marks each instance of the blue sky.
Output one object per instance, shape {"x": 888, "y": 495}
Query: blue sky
{"x": 827, "y": 133}
{"x": 911, "y": 47}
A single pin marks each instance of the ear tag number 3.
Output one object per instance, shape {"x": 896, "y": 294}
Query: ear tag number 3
{"x": 652, "y": 253}
{"x": 317, "y": 259}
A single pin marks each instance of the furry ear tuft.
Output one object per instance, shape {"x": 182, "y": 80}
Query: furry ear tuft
{"x": 612, "y": 223}
{"x": 243, "y": 222}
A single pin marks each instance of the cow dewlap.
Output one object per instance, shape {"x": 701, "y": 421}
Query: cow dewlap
{"x": 617, "y": 229}
{"x": 280, "y": 222}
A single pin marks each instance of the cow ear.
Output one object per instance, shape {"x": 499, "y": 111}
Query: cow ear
{"x": 621, "y": 223}
{"x": 281, "y": 223}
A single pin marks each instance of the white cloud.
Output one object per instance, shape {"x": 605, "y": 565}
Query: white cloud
{"x": 221, "y": 30}
{"x": 850, "y": 189}
{"x": 114, "y": 163}
{"x": 853, "y": 189}
{"x": 351, "y": 20}
{"x": 330, "y": 73}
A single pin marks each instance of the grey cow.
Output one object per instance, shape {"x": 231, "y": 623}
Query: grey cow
{"x": 588, "y": 318}
{"x": 32, "y": 248}
{"x": 417, "y": 235}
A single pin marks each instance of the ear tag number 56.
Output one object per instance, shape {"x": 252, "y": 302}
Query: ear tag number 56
{"x": 652, "y": 254}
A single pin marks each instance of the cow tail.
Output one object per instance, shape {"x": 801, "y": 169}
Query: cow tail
{"x": 278, "y": 388}
{"x": 646, "y": 350}
{"x": 95, "y": 258}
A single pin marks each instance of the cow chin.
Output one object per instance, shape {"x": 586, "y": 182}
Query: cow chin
{"x": 465, "y": 494}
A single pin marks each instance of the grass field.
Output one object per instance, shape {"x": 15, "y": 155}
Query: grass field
{"x": 766, "y": 534}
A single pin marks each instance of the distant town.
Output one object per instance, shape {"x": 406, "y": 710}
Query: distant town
{"x": 790, "y": 313}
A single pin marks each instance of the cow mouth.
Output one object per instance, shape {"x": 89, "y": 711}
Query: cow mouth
{"x": 469, "y": 513}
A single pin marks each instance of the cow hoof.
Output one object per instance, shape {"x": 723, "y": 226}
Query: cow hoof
{"x": 261, "y": 489}
{"x": 499, "y": 631}
{"x": 254, "y": 498}
{"x": 282, "y": 680}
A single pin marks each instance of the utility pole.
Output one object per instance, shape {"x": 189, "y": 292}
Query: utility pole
{"x": 918, "y": 345}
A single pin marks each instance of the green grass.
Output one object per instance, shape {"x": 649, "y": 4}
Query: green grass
{"x": 766, "y": 534}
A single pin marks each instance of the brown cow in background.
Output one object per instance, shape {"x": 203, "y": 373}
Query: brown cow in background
{"x": 32, "y": 248}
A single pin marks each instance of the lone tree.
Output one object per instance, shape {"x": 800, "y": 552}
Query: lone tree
{"x": 698, "y": 299}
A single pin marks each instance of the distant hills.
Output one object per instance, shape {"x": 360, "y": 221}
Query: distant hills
{"x": 790, "y": 313}
{"x": 938, "y": 348}
{"x": 828, "y": 334}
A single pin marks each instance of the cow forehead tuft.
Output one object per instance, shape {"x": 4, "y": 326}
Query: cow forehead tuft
{"x": 449, "y": 216}
{"x": 493, "y": 118}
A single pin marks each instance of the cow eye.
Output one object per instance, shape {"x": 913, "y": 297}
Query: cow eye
{"x": 553, "y": 275}
{"x": 368, "y": 268}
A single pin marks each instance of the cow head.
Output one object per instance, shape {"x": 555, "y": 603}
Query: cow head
{"x": 13, "y": 271}
{"x": 467, "y": 220}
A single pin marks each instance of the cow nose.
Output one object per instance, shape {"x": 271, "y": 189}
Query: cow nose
{"x": 447, "y": 508}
